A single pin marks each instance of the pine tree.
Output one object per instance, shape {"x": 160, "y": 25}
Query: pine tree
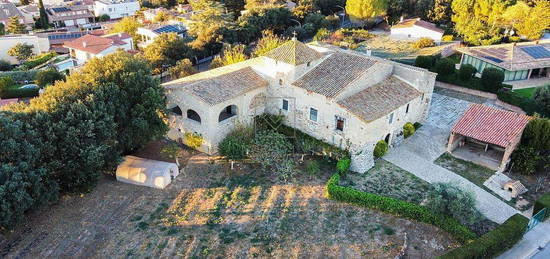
{"x": 43, "y": 22}
{"x": 361, "y": 10}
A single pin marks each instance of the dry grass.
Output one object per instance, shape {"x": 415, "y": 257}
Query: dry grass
{"x": 212, "y": 211}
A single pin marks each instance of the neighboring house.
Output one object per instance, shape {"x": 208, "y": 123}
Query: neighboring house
{"x": 149, "y": 33}
{"x": 342, "y": 97}
{"x": 40, "y": 44}
{"x": 519, "y": 61}
{"x": 58, "y": 39}
{"x": 91, "y": 46}
{"x": 487, "y": 136}
{"x": 29, "y": 12}
{"x": 70, "y": 15}
{"x": 8, "y": 10}
{"x": 415, "y": 29}
{"x": 116, "y": 9}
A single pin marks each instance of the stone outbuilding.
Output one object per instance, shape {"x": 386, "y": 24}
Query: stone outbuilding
{"x": 487, "y": 136}
{"x": 341, "y": 97}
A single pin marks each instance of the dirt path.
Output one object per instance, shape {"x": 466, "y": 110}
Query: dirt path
{"x": 210, "y": 212}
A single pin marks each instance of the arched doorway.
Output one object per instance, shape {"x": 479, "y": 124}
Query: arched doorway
{"x": 193, "y": 115}
{"x": 176, "y": 110}
{"x": 227, "y": 112}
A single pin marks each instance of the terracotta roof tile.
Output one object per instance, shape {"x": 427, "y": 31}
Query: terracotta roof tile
{"x": 96, "y": 44}
{"x": 294, "y": 52}
{"x": 220, "y": 88}
{"x": 491, "y": 125}
{"x": 334, "y": 74}
{"x": 380, "y": 99}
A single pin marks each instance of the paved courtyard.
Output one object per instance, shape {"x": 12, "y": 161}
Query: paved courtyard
{"x": 417, "y": 153}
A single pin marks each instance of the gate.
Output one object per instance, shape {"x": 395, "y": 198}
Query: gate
{"x": 536, "y": 219}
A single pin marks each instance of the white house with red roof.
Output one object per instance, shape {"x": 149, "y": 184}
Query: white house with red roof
{"x": 415, "y": 29}
{"x": 92, "y": 46}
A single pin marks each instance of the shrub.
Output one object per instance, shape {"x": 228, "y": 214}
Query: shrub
{"x": 19, "y": 93}
{"x": 236, "y": 143}
{"x": 5, "y": 82}
{"x": 313, "y": 167}
{"x": 525, "y": 160}
{"x": 380, "y": 149}
{"x": 193, "y": 140}
{"x": 447, "y": 38}
{"x": 541, "y": 203}
{"x": 417, "y": 125}
{"x": 48, "y": 77}
{"x": 398, "y": 208}
{"x": 343, "y": 165}
{"x": 321, "y": 34}
{"x": 493, "y": 243}
{"x": 423, "y": 43}
{"x": 426, "y": 62}
{"x": 466, "y": 72}
{"x": 272, "y": 151}
{"x": 492, "y": 79}
{"x": 38, "y": 60}
{"x": 445, "y": 66}
{"x": 408, "y": 129}
{"x": 448, "y": 199}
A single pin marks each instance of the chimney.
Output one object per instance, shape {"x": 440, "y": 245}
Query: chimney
{"x": 537, "y": 42}
{"x": 84, "y": 44}
{"x": 401, "y": 19}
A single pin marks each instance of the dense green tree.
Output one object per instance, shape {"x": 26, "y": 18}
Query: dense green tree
{"x": 14, "y": 26}
{"x": 303, "y": 8}
{"x": 268, "y": 42}
{"x": 478, "y": 20}
{"x": 533, "y": 154}
{"x": 48, "y": 77}
{"x": 209, "y": 19}
{"x": 21, "y": 51}
{"x": 276, "y": 19}
{"x": 23, "y": 181}
{"x": 441, "y": 12}
{"x": 234, "y": 6}
{"x": 182, "y": 68}
{"x": 166, "y": 50}
{"x": 230, "y": 55}
{"x": 42, "y": 21}
{"x": 361, "y": 10}
{"x": 529, "y": 22}
{"x": 128, "y": 25}
{"x": 396, "y": 9}
{"x": 491, "y": 79}
{"x": 542, "y": 98}
{"x": 329, "y": 7}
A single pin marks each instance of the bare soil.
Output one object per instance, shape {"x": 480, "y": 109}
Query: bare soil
{"x": 211, "y": 211}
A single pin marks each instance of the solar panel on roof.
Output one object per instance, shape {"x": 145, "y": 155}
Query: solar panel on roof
{"x": 537, "y": 51}
{"x": 170, "y": 28}
{"x": 60, "y": 9}
{"x": 497, "y": 60}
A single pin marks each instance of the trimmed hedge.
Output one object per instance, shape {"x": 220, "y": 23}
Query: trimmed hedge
{"x": 19, "y": 93}
{"x": 541, "y": 203}
{"x": 38, "y": 60}
{"x": 397, "y": 207}
{"x": 494, "y": 242}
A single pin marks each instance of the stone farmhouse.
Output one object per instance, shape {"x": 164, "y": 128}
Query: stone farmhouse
{"x": 341, "y": 97}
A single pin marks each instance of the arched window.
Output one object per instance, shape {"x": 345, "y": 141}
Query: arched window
{"x": 176, "y": 110}
{"x": 227, "y": 113}
{"x": 193, "y": 115}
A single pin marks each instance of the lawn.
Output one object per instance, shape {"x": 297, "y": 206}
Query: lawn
{"x": 526, "y": 92}
{"x": 389, "y": 180}
{"x": 211, "y": 211}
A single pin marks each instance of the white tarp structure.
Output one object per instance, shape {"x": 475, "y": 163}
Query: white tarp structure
{"x": 146, "y": 172}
